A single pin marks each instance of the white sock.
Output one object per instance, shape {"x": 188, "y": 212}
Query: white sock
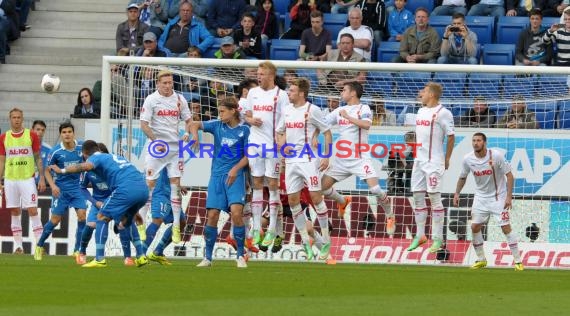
{"x": 176, "y": 204}
{"x": 37, "y": 227}
{"x": 300, "y": 221}
{"x": 437, "y": 218}
{"x": 247, "y": 219}
{"x": 383, "y": 198}
{"x": 478, "y": 245}
{"x": 274, "y": 202}
{"x": 512, "y": 240}
{"x": 144, "y": 210}
{"x": 333, "y": 194}
{"x": 421, "y": 218}
{"x": 257, "y": 208}
{"x": 319, "y": 242}
{"x": 16, "y": 227}
{"x": 279, "y": 225}
{"x": 323, "y": 218}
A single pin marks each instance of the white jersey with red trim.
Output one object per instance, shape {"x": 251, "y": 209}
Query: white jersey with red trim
{"x": 432, "y": 127}
{"x": 349, "y": 134}
{"x": 299, "y": 125}
{"x": 267, "y": 105}
{"x": 243, "y": 107}
{"x": 489, "y": 173}
{"x": 163, "y": 115}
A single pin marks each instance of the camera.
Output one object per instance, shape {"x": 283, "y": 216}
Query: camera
{"x": 454, "y": 29}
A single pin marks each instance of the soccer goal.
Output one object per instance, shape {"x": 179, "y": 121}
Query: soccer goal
{"x": 536, "y": 145}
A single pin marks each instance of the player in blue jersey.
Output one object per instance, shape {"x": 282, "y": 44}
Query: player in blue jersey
{"x": 128, "y": 194}
{"x": 64, "y": 187}
{"x": 101, "y": 192}
{"x": 226, "y": 189}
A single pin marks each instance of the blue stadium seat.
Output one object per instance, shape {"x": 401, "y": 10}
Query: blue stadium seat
{"x": 387, "y": 51}
{"x": 319, "y": 101}
{"x": 439, "y": 23}
{"x": 545, "y": 112}
{"x": 500, "y": 109}
{"x": 518, "y": 85}
{"x": 552, "y": 86}
{"x": 209, "y": 53}
{"x": 453, "y": 84}
{"x": 548, "y": 21}
{"x": 509, "y": 28}
{"x": 498, "y": 54}
{"x": 310, "y": 74}
{"x": 397, "y": 108}
{"x": 410, "y": 83}
{"x": 483, "y": 26}
{"x": 484, "y": 84}
{"x": 378, "y": 82}
{"x": 334, "y": 23}
{"x": 284, "y": 49}
{"x": 412, "y": 5}
{"x": 564, "y": 113}
{"x": 286, "y": 23}
{"x": 280, "y": 6}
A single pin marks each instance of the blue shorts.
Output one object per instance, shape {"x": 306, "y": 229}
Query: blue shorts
{"x": 161, "y": 208}
{"x": 221, "y": 196}
{"x": 125, "y": 201}
{"x": 66, "y": 200}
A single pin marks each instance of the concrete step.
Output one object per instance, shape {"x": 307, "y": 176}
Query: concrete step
{"x": 31, "y": 82}
{"x": 56, "y": 105}
{"x": 70, "y": 43}
{"x": 102, "y": 34}
{"x": 62, "y": 51}
{"x": 107, "y": 27}
{"x": 38, "y": 17}
{"x": 61, "y": 71}
{"x": 79, "y": 60}
{"x": 93, "y": 6}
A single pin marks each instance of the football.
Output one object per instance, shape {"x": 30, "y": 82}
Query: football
{"x": 50, "y": 83}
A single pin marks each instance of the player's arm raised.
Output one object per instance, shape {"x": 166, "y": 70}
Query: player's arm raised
{"x": 76, "y": 168}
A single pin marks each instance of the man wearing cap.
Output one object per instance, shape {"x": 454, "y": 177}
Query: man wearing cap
{"x": 130, "y": 33}
{"x": 229, "y": 50}
{"x": 150, "y": 48}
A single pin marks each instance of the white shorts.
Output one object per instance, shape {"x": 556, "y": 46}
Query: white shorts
{"x": 153, "y": 166}
{"x": 21, "y": 193}
{"x": 340, "y": 169}
{"x": 427, "y": 176}
{"x": 263, "y": 164}
{"x": 297, "y": 174}
{"x": 483, "y": 208}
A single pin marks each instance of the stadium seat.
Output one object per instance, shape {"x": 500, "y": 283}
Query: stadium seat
{"x": 454, "y": 84}
{"x": 397, "y": 108}
{"x": 509, "y": 28}
{"x": 519, "y": 85}
{"x": 334, "y": 23}
{"x": 310, "y": 74}
{"x": 552, "y": 86}
{"x": 439, "y": 23}
{"x": 498, "y": 54}
{"x": 286, "y": 23}
{"x": 284, "y": 49}
{"x": 413, "y": 5}
{"x": 280, "y": 7}
{"x": 548, "y": 21}
{"x": 410, "y": 83}
{"x": 545, "y": 112}
{"x": 387, "y": 51}
{"x": 484, "y": 84}
{"x": 564, "y": 113}
{"x": 378, "y": 82}
{"x": 500, "y": 108}
{"x": 483, "y": 26}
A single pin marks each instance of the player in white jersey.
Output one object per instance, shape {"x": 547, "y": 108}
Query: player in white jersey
{"x": 243, "y": 90}
{"x": 160, "y": 115}
{"x": 266, "y": 104}
{"x": 297, "y": 129}
{"x": 434, "y": 123}
{"x": 493, "y": 195}
{"x": 354, "y": 121}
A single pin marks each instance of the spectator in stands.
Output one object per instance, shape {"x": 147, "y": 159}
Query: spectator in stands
{"x": 196, "y": 110}
{"x": 150, "y": 46}
{"x": 300, "y": 13}
{"x": 333, "y": 103}
{"x": 345, "y": 53}
{"x": 494, "y": 8}
{"x": 4, "y": 29}
{"x": 160, "y": 11}
{"x": 420, "y": 43}
{"x": 224, "y": 16}
{"x": 380, "y": 115}
{"x": 23, "y": 8}
{"x": 362, "y": 34}
{"x": 459, "y": 44}
{"x": 290, "y": 75}
{"x": 200, "y": 10}
{"x": 266, "y": 22}
{"x": 342, "y": 6}
{"x": 228, "y": 50}
{"x": 479, "y": 116}
{"x": 523, "y": 7}
{"x": 555, "y": 7}
{"x": 119, "y": 88}
{"x": 183, "y": 32}
{"x": 531, "y": 50}
{"x": 562, "y": 37}
{"x": 130, "y": 33}
{"x": 399, "y": 20}
{"x": 86, "y": 107}
{"x": 247, "y": 38}
{"x": 518, "y": 116}
{"x": 374, "y": 15}
{"x": 315, "y": 41}
{"x": 450, "y": 7}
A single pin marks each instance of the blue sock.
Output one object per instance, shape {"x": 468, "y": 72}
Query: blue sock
{"x": 164, "y": 242}
{"x": 101, "y": 234}
{"x": 136, "y": 239}
{"x": 48, "y": 228}
{"x": 85, "y": 238}
{"x": 125, "y": 238}
{"x": 211, "y": 234}
{"x": 78, "y": 234}
{"x": 150, "y": 234}
{"x": 239, "y": 236}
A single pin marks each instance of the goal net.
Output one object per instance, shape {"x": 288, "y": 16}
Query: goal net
{"x": 522, "y": 110}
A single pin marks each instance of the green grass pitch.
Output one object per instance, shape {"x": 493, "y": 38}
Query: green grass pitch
{"x": 56, "y": 286}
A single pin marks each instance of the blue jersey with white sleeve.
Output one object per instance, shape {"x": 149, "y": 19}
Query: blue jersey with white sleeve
{"x": 229, "y": 145}
{"x": 63, "y": 158}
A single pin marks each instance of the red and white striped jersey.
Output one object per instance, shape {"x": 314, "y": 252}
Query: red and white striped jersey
{"x": 350, "y": 134}
{"x": 267, "y": 105}
{"x": 432, "y": 127}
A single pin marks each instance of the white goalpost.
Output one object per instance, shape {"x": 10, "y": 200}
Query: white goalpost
{"x": 539, "y": 155}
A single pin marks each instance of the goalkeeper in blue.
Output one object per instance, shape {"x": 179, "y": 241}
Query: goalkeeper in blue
{"x": 226, "y": 189}
{"x": 129, "y": 193}
{"x": 101, "y": 192}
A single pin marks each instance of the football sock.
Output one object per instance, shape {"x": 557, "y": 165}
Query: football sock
{"x": 437, "y": 218}
{"x": 78, "y": 233}
{"x": 323, "y": 218}
{"x": 101, "y": 234}
{"x": 273, "y": 209}
{"x": 125, "y": 242}
{"x": 211, "y": 233}
{"x": 478, "y": 245}
{"x": 164, "y": 241}
{"x": 257, "y": 208}
{"x": 36, "y": 226}
{"x": 85, "y": 238}
{"x": 300, "y": 221}
{"x": 16, "y": 226}
{"x": 150, "y": 234}
{"x": 333, "y": 194}
{"x": 48, "y": 228}
{"x": 176, "y": 203}
{"x": 136, "y": 239}
{"x": 239, "y": 236}
{"x": 514, "y": 245}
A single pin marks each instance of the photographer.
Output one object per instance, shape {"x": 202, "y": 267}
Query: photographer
{"x": 399, "y": 167}
{"x": 459, "y": 45}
